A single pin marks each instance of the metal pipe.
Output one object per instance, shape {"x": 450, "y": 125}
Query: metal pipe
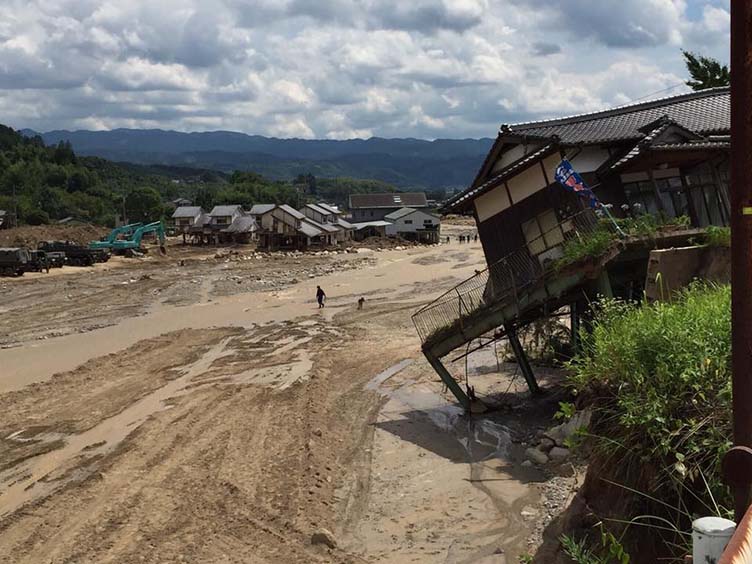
{"x": 741, "y": 237}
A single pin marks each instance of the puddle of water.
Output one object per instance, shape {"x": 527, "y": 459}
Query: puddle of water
{"x": 382, "y": 377}
{"x": 41, "y": 475}
{"x": 481, "y": 438}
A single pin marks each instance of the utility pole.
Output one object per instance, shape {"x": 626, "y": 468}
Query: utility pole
{"x": 737, "y": 464}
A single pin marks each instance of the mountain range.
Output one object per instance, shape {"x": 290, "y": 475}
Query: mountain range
{"x": 406, "y": 163}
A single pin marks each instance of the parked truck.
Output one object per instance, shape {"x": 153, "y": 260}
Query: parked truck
{"x": 14, "y": 261}
{"x": 56, "y": 259}
{"x": 75, "y": 254}
{"x": 38, "y": 261}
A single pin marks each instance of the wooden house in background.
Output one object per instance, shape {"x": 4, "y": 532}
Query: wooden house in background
{"x": 373, "y": 207}
{"x": 667, "y": 157}
{"x": 223, "y": 216}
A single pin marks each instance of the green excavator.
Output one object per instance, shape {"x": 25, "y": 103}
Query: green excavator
{"x": 134, "y": 243}
{"x": 115, "y": 234}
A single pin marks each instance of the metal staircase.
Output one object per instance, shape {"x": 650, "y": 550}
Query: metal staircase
{"x": 508, "y": 294}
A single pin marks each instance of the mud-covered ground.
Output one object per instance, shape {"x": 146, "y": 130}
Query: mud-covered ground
{"x": 199, "y": 407}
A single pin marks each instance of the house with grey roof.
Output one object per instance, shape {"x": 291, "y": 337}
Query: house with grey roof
{"x": 331, "y": 217}
{"x": 185, "y": 217}
{"x": 225, "y": 224}
{"x": 668, "y": 158}
{"x": 373, "y": 207}
{"x": 283, "y": 227}
{"x": 414, "y": 225}
{"x": 222, "y": 216}
{"x": 665, "y": 157}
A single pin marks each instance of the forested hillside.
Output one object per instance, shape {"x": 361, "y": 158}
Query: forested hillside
{"x": 406, "y": 163}
{"x": 45, "y": 184}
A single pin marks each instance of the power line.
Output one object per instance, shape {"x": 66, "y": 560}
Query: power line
{"x": 657, "y": 92}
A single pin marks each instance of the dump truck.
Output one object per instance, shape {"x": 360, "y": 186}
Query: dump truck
{"x": 75, "y": 254}
{"x": 14, "y": 261}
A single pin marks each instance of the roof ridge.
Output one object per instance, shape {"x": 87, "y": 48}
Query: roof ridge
{"x": 626, "y": 108}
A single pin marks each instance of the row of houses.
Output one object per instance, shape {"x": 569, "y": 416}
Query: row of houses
{"x": 280, "y": 226}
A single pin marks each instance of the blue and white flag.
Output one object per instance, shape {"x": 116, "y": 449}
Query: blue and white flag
{"x": 567, "y": 176}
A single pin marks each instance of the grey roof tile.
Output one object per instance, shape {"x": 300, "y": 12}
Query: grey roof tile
{"x": 187, "y": 211}
{"x": 704, "y": 112}
{"x": 222, "y": 211}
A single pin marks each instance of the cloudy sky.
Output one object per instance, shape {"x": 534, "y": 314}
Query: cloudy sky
{"x": 341, "y": 68}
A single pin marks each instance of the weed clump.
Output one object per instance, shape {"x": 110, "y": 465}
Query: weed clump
{"x": 718, "y": 236}
{"x": 658, "y": 377}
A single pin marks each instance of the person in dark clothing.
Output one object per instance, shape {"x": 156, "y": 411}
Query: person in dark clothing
{"x": 320, "y": 296}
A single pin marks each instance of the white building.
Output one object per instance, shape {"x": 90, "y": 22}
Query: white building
{"x": 414, "y": 225}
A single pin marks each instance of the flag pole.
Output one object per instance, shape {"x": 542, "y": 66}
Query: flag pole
{"x": 593, "y": 197}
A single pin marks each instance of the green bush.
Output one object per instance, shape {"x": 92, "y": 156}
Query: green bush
{"x": 659, "y": 379}
{"x": 590, "y": 245}
{"x": 718, "y": 236}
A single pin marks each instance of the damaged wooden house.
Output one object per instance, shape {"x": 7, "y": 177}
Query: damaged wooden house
{"x": 223, "y": 225}
{"x": 282, "y": 227}
{"x": 666, "y": 159}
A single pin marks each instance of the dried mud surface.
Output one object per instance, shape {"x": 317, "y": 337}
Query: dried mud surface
{"x": 228, "y": 424}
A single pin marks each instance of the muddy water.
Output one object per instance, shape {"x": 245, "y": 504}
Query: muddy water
{"x": 394, "y": 271}
{"x": 43, "y": 474}
{"x": 441, "y": 471}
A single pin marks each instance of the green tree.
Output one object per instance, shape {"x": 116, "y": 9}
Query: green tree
{"x": 37, "y": 217}
{"x": 144, "y": 204}
{"x": 705, "y": 72}
{"x": 204, "y": 198}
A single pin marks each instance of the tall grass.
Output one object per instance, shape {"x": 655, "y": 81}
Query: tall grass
{"x": 659, "y": 379}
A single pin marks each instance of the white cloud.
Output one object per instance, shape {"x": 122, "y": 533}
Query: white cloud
{"x": 340, "y": 68}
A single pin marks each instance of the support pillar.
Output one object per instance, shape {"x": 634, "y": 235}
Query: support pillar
{"x": 740, "y": 458}
{"x": 522, "y": 360}
{"x": 447, "y": 378}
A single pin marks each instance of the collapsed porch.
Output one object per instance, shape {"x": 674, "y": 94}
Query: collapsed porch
{"x": 523, "y": 287}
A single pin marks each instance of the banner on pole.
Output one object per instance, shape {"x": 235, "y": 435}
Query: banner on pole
{"x": 567, "y": 176}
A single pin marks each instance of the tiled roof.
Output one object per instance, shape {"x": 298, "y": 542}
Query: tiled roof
{"x": 261, "y": 209}
{"x": 391, "y": 200}
{"x": 402, "y": 212}
{"x": 693, "y": 146}
{"x": 318, "y": 209}
{"x": 309, "y": 230}
{"x": 655, "y": 140}
{"x": 187, "y": 211}
{"x": 344, "y": 224}
{"x": 364, "y": 224}
{"x": 704, "y": 112}
{"x": 291, "y": 210}
{"x": 242, "y": 224}
{"x": 331, "y": 209}
{"x": 329, "y": 228}
{"x": 223, "y": 211}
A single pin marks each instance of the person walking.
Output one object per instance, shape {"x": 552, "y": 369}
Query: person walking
{"x": 320, "y": 296}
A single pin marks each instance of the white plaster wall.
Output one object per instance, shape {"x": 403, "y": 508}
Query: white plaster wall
{"x": 589, "y": 159}
{"x": 492, "y": 202}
